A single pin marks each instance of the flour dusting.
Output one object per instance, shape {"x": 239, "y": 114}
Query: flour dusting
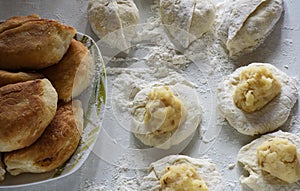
{"x": 156, "y": 58}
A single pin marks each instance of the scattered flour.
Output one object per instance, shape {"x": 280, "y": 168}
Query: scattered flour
{"x": 155, "y": 57}
{"x": 204, "y": 63}
{"x": 91, "y": 186}
{"x": 122, "y": 179}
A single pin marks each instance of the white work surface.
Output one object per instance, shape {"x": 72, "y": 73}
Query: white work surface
{"x": 283, "y": 50}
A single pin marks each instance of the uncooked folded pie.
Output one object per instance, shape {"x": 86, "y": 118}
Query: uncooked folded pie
{"x": 246, "y": 24}
{"x": 114, "y": 21}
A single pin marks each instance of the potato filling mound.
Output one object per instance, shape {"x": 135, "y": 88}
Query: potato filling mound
{"x": 164, "y": 111}
{"x": 182, "y": 177}
{"x": 257, "y": 86}
{"x": 278, "y": 157}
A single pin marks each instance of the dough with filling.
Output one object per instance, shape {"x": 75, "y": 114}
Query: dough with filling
{"x": 279, "y": 156}
{"x": 179, "y": 172}
{"x": 256, "y": 87}
{"x": 165, "y": 115}
{"x": 271, "y": 116}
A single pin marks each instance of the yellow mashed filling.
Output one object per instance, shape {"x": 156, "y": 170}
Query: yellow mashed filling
{"x": 278, "y": 157}
{"x": 182, "y": 177}
{"x": 164, "y": 111}
{"x": 257, "y": 86}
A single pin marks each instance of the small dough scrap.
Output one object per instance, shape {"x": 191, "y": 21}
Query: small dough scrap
{"x": 114, "y": 21}
{"x": 247, "y": 23}
{"x": 187, "y": 19}
{"x": 182, "y": 177}
{"x": 257, "y": 86}
{"x": 179, "y": 173}
{"x": 164, "y": 111}
{"x": 259, "y": 179}
{"x": 271, "y": 116}
{"x": 278, "y": 157}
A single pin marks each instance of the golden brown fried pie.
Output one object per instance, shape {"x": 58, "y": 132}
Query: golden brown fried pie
{"x": 27, "y": 43}
{"x": 2, "y": 170}
{"x": 15, "y": 77}
{"x": 73, "y": 73}
{"x": 54, "y": 147}
{"x": 27, "y": 108}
